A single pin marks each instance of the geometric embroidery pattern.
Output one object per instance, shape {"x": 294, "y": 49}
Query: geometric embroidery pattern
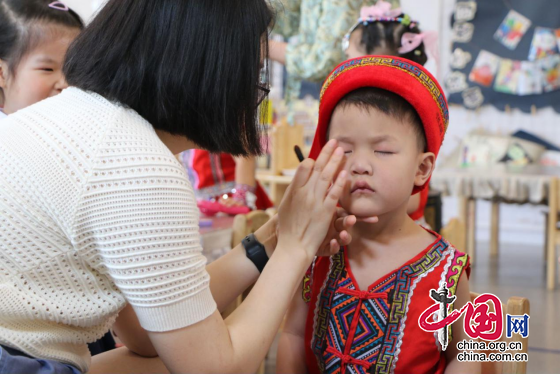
{"x": 348, "y": 341}
{"x": 323, "y": 307}
{"x": 404, "y": 279}
{"x": 367, "y": 333}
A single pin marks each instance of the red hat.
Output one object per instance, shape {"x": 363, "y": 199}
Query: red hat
{"x": 401, "y": 76}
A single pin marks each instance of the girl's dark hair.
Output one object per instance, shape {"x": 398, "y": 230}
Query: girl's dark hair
{"x": 189, "y": 67}
{"x": 21, "y": 24}
{"x": 388, "y": 35}
{"x": 390, "y": 104}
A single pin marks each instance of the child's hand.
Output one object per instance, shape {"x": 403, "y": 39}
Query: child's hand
{"x": 309, "y": 205}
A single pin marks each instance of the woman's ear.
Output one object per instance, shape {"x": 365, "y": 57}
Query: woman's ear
{"x": 3, "y": 73}
{"x": 3, "y": 80}
{"x": 426, "y": 165}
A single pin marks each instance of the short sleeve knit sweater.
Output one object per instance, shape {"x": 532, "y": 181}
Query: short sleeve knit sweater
{"x": 95, "y": 212}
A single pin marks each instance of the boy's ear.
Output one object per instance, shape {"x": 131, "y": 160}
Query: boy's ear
{"x": 426, "y": 165}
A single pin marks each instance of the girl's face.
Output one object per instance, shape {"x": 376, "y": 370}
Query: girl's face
{"x": 39, "y": 73}
{"x": 355, "y": 47}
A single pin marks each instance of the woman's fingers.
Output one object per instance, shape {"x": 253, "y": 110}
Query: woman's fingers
{"x": 335, "y": 192}
{"x": 334, "y": 247}
{"x": 373, "y": 219}
{"x": 344, "y": 223}
{"x": 324, "y": 181}
{"x": 323, "y": 160}
{"x": 344, "y": 238}
{"x": 303, "y": 173}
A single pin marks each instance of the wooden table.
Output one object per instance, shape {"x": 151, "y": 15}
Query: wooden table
{"x": 277, "y": 184}
{"x": 502, "y": 184}
{"x": 216, "y": 239}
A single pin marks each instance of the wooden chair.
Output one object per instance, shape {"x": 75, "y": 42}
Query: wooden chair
{"x": 243, "y": 225}
{"x": 432, "y": 211}
{"x": 455, "y": 232}
{"x": 515, "y": 306}
{"x": 552, "y": 232}
{"x": 283, "y": 138}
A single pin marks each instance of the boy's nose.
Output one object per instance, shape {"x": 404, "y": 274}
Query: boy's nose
{"x": 361, "y": 168}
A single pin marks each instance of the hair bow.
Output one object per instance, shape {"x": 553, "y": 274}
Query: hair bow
{"x": 410, "y": 41}
{"x": 379, "y": 10}
{"x": 58, "y": 5}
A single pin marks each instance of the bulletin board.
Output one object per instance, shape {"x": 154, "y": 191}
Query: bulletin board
{"x": 505, "y": 53}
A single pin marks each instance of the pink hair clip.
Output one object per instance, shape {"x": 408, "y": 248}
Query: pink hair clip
{"x": 59, "y": 6}
{"x": 410, "y": 41}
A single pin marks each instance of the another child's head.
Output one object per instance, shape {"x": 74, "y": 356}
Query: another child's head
{"x": 34, "y": 38}
{"x": 383, "y": 31}
{"x": 390, "y": 116}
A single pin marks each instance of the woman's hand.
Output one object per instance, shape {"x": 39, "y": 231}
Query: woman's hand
{"x": 309, "y": 205}
{"x": 339, "y": 232}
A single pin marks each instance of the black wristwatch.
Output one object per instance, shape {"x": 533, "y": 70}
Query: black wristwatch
{"x": 255, "y": 251}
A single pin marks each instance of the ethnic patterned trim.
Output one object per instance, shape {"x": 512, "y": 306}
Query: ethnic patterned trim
{"x": 404, "y": 285}
{"x": 447, "y": 253}
{"x": 322, "y": 309}
{"x": 402, "y": 65}
{"x": 458, "y": 264}
{"x": 308, "y": 282}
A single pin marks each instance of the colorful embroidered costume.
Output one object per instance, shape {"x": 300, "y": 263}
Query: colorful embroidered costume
{"x": 213, "y": 175}
{"x": 349, "y": 330}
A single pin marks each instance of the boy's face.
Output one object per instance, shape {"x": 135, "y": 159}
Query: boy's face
{"x": 383, "y": 160}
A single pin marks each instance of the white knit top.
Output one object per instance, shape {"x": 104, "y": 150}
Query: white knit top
{"x": 95, "y": 212}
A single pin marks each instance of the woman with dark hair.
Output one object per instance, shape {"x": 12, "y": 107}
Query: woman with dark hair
{"x": 99, "y": 224}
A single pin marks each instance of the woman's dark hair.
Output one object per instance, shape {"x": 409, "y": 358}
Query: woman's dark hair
{"x": 189, "y": 67}
{"x": 388, "y": 103}
{"x": 388, "y": 35}
{"x": 21, "y": 26}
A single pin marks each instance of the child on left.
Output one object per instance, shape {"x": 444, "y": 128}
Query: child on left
{"x": 34, "y": 38}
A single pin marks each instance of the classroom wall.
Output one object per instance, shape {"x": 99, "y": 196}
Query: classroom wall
{"x": 85, "y": 8}
{"x": 519, "y": 224}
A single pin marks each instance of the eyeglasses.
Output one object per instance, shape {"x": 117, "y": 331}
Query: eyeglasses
{"x": 262, "y": 93}
{"x": 263, "y": 86}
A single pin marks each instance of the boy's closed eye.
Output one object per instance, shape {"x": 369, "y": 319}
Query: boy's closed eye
{"x": 383, "y": 153}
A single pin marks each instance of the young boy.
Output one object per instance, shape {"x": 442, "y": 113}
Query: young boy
{"x": 358, "y": 310}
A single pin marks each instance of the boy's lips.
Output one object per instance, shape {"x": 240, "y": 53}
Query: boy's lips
{"x": 361, "y": 186}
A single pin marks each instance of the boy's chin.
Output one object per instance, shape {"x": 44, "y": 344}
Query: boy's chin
{"x": 361, "y": 209}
